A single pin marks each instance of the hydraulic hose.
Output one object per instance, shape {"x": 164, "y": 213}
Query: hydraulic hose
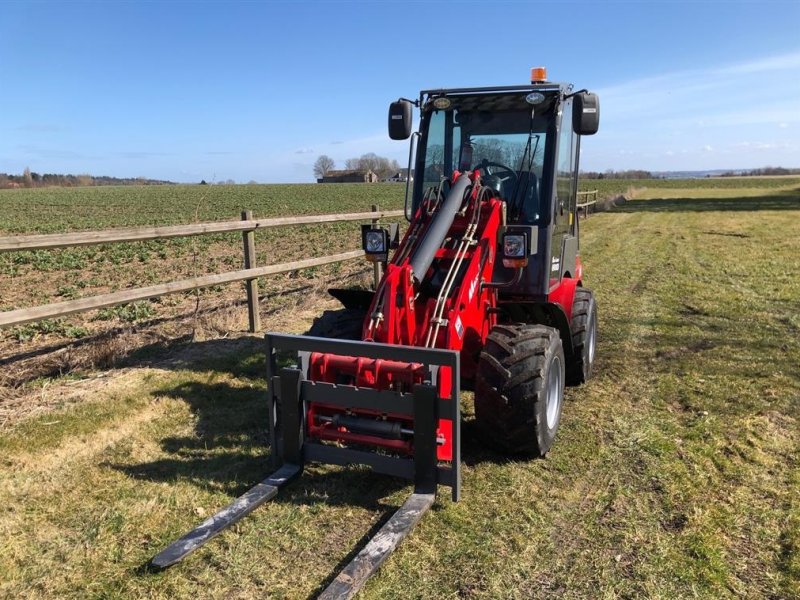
{"x": 424, "y": 253}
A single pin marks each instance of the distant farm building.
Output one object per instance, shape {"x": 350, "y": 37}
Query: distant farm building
{"x": 349, "y": 176}
{"x": 399, "y": 176}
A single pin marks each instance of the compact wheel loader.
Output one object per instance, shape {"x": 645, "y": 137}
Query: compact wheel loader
{"x": 484, "y": 290}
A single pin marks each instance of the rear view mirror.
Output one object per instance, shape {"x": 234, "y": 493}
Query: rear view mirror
{"x": 586, "y": 113}
{"x": 400, "y": 120}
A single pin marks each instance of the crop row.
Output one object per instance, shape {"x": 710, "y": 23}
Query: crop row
{"x": 50, "y": 210}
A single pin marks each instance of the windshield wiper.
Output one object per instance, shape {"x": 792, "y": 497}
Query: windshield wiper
{"x": 516, "y": 206}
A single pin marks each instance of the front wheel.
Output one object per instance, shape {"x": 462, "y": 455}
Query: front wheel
{"x": 519, "y": 388}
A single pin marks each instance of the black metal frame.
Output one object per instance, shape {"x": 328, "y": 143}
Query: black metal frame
{"x": 290, "y": 387}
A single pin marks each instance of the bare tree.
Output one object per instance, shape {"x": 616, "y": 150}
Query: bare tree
{"x": 323, "y": 165}
{"x": 380, "y": 165}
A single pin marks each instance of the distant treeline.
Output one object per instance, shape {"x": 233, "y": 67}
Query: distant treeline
{"x": 30, "y": 179}
{"x": 610, "y": 174}
{"x": 766, "y": 171}
{"x": 640, "y": 174}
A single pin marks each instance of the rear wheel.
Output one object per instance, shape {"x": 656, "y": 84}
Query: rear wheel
{"x": 341, "y": 324}
{"x": 584, "y": 336}
{"x": 519, "y": 388}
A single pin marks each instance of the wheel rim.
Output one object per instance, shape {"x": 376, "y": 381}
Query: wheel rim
{"x": 554, "y": 393}
{"x": 591, "y": 341}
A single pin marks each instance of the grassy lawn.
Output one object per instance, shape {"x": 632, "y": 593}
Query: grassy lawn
{"x": 676, "y": 472}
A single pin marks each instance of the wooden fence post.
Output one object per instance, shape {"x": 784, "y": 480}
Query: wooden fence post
{"x": 376, "y": 266}
{"x": 249, "y": 243}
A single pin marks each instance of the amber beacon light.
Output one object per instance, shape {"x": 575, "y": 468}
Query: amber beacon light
{"x": 538, "y": 74}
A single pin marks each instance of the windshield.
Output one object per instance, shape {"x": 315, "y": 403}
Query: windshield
{"x": 507, "y": 147}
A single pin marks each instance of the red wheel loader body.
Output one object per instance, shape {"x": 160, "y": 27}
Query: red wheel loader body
{"x": 484, "y": 289}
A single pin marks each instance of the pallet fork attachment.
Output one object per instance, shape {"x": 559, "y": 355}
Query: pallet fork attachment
{"x": 235, "y": 511}
{"x": 289, "y": 394}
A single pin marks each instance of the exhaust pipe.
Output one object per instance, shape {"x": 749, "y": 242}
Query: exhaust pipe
{"x": 434, "y": 236}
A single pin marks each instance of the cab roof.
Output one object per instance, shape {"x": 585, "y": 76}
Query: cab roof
{"x": 544, "y": 87}
{"x": 495, "y": 99}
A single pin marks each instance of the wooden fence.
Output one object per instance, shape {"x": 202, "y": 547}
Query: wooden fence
{"x": 250, "y": 273}
{"x": 590, "y": 199}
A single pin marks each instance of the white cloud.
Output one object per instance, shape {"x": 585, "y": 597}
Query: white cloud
{"x": 784, "y": 62}
{"x": 709, "y": 110}
{"x": 763, "y": 146}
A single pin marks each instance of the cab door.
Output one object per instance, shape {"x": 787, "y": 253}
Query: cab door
{"x": 564, "y": 242}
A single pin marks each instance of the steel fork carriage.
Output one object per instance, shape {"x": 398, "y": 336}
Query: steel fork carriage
{"x": 290, "y": 392}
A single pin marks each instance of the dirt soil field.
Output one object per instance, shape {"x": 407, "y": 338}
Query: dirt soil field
{"x": 676, "y": 472}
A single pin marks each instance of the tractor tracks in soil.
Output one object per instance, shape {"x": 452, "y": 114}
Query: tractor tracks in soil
{"x": 615, "y": 405}
{"x": 719, "y": 472}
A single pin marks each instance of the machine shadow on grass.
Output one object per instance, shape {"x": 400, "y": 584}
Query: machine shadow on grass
{"x": 779, "y": 201}
{"x": 102, "y": 350}
{"x": 229, "y": 450}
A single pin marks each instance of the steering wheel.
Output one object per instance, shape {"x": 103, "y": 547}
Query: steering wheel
{"x": 504, "y": 179}
{"x": 503, "y": 173}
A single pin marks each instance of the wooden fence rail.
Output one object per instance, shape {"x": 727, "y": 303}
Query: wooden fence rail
{"x": 62, "y": 309}
{"x": 17, "y": 243}
{"x": 249, "y": 274}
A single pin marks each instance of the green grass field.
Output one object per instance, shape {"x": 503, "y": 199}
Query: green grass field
{"x": 48, "y": 210}
{"x": 52, "y": 210}
{"x": 675, "y": 474}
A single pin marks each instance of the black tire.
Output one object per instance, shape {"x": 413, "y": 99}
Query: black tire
{"x": 584, "y": 337}
{"x": 341, "y": 324}
{"x": 521, "y": 373}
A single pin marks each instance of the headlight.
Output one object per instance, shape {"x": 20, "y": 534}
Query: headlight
{"x": 375, "y": 241}
{"x": 514, "y": 246}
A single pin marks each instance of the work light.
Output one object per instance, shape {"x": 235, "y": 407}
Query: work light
{"x": 514, "y": 246}
{"x": 518, "y": 243}
{"x": 375, "y": 241}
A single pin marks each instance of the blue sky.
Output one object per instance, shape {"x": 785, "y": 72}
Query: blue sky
{"x": 257, "y": 90}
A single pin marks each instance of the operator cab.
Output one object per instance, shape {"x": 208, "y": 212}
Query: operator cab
{"x": 524, "y": 140}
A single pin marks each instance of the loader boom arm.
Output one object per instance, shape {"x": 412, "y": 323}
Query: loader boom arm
{"x": 431, "y": 296}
